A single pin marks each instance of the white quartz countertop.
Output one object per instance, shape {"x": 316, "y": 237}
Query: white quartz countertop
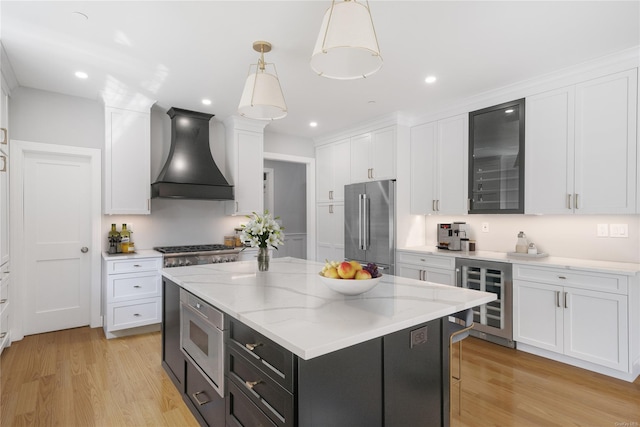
{"x": 293, "y": 307}
{"x": 626, "y": 268}
{"x": 143, "y": 253}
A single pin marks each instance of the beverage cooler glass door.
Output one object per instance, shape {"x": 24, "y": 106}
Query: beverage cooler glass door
{"x": 494, "y": 318}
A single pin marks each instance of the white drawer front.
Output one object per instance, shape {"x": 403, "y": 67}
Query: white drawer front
{"x": 427, "y": 260}
{"x": 579, "y": 279}
{"x": 4, "y": 297}
{"x": 133, "y": 314}
{"x": 125, "y": 287}
{"x": 133, "y": 265}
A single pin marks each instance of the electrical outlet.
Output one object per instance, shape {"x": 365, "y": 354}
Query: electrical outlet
{"x": 603, "y": 230}
{"x": 619, "y": 230}
{"x": 485, "y": 227}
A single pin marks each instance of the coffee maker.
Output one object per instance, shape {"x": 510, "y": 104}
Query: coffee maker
{"x": 451, "y": 234}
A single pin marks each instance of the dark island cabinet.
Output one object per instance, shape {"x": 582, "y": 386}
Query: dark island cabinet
{"x": 172, "y": 357}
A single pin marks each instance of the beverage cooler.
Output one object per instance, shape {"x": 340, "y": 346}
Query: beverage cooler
{"x": 492, "y": 321}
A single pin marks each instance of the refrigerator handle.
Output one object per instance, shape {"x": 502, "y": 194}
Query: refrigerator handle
{"x": 359, "y": 221}
{"x": 365, "y": 223}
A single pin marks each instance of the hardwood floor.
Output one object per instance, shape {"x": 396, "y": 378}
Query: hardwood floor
{"x": 76, "y": 377}
{"x": 506, "y": 387}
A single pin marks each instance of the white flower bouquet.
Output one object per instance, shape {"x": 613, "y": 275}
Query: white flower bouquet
{"x": 262, "y": 231}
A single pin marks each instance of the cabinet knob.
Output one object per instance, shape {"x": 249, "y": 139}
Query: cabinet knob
{"x": 84, "y": 249}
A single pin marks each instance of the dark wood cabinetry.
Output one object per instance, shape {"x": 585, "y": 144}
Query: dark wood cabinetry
{"x": 204, "y": 398}
{"x": 172, "y": 357}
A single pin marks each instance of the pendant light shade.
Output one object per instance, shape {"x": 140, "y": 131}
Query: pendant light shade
{"x": 262, "y": 97}
{"x": 347, "y": 46}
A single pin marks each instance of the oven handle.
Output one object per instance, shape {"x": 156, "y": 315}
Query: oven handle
{"x": 194, "y": 310}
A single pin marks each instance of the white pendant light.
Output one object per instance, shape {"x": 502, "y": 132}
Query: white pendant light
{"x": 347, "y": 46}
{"x": 262, "y": 97}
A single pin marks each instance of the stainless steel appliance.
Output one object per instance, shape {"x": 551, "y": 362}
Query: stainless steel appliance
{"x": 202, "y": 339}
{"x": 493, "y": 321}
{"x": 178, "y": 256}
{"x": 450, "y": 235}
{"x": 369, "y": 226}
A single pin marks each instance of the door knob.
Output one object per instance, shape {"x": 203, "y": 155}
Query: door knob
{"x": 84, "y": 250}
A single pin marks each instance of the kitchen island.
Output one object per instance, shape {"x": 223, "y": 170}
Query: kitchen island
{"x": 379, "y": 358}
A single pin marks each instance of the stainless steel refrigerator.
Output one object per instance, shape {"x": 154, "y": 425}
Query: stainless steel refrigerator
{"x": 370, "y": 223}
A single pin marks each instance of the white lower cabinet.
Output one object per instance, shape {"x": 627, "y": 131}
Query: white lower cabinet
{"x": 426, "y": 267}
{"x": 5, "y": 340}
{"x": 580, "y": 316}
{"x": 131, "y": 292}
{"x": 330, "y": 232}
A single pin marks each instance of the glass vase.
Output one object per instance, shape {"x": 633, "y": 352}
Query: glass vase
{"x": 263, "y": 259}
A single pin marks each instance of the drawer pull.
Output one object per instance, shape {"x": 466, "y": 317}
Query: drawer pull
{"x": 137, "y": 315}
{"x": 3, "y": 300}
{"x": 423, "y": 260}
{"x": 2, "y": 335}
{"x": 137, "y": 265}
{"x": 137, "y": 286}
{"x": 562, "y": 277}
{"x": 4, "y": 136}
{"x": 557, "y": 298}
{"x": 253, "y": 346}
{"x": 566, "y": 300}
{"x": 252, "y": 384}
{"x": 200, "y": 402}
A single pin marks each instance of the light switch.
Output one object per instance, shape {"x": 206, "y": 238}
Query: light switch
{"x": 619, "y": 230}
{"x": 603, "y": 230}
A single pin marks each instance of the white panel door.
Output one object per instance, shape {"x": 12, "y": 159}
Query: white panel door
{"x": 605, "y": 147}
{"x": 595, "y": 327}
{"x": 57, "y": 226}
{"x": 549, "y": 152}
{"x": 361, "y": 158}
{"x": 383, "y": 154}
{"x": 453, "y": 152}
{"x": 423, "y": 168}
{"x": 538, "y": 315}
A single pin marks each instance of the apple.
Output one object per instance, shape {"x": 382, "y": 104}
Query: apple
{"x": 332, "y": 273}
{"x": 362, "y": 275}
{"x": 356, "y": 265}
{"x": 346, "y": 270}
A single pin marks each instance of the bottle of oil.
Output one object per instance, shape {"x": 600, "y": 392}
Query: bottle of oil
{"x": 114, "y": 240}
{"x": 125, "y": 238}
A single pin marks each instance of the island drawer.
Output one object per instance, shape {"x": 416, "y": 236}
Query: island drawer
{"x": 263, "y": 390}
{"x": 614, "y": 283}
{"x": 241, "y": 412}
{"x": 209, "y": 404}
{"x": 264, "y": 353}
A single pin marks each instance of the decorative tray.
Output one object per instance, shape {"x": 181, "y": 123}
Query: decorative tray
{"x": 521, "y": 255}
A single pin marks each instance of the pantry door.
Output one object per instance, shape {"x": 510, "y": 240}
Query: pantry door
{"x": 58, "y": 246}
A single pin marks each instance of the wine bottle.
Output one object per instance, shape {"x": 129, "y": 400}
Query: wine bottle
{"x": 114, "y": 238}
{"x": 125, "y": 238}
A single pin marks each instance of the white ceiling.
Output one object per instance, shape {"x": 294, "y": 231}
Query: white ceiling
{"x": 178, "y": 52}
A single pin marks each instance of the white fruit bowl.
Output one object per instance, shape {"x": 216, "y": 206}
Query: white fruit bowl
{"x": 350, "y": 286}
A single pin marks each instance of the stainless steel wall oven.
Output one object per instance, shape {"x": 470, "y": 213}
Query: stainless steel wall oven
{"x": 494, "y": 320}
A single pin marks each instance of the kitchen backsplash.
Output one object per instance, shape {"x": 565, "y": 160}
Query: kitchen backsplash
{"x": 569, "y": 236}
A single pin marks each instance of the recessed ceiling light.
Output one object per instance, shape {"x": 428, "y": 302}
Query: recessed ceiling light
{"x": 206, "y": 101}
{"x": 430, "y": 79}
{"x": 508, "y": 111}
{"x": 81, "y": 75}
{"x": 313, "y": 124}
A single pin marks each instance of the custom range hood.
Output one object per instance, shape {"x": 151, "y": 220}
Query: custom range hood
{"x": 190, "y": 171}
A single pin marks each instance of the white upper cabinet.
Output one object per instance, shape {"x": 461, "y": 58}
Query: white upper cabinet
{"x": 373, "y": 155}
{"x": 4, "y": 177}
{"x": 127, "y": 158}
{"x": 439, "y": 157}
{"x": 332, "y": 170}
{"x": 581, "y": 148}
{"x": 245, "y": 165}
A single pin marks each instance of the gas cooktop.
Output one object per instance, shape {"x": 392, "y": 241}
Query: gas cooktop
{"x": 193, "y": 248}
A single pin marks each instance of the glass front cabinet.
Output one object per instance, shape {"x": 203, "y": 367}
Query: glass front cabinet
{"x": 496, "y": 159}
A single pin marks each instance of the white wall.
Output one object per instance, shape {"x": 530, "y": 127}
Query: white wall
{"x": 288, "y": 144}
{"x": 48, "y": 117}
{"x": 569, "y": 236}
